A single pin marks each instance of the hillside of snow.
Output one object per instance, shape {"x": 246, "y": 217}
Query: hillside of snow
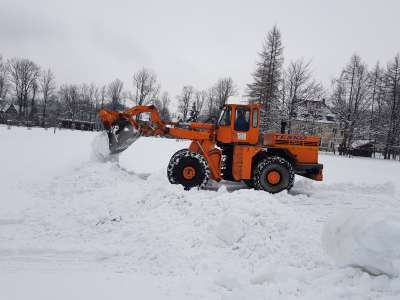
{"x": 74, "y": 227}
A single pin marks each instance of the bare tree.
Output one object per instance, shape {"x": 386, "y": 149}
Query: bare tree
{"x": 114, "y": 92}
{"x": 350, "y": 99}
{"x": 224, "y": 89}
{"x": 300, "y": 87}
{"x": 184, "y": 100}
{"x": 212, "y": 104}
{"x": 392, "y": 77}
{"x": 200, "y": 98}
{"x": 33, "y": 112}
{"x": 214, "y": 98}
{"x": 4, "y": 84}
{"x": 162, "y": 105}
{"x": 88, "y": 101}
{"x": 377, "y": 93}
{"x": 47, "y": 88}
{"x": 103, "y": 95}
{"x": 69, "y": 96}
{"x": 146, "y": 86}
{"x": 24, "y": 74}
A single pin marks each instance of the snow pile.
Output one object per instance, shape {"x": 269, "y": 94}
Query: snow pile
{"x": 100, "y": 149}
{"x": 368, "y": 240}
{"x": 230, "y": 230}
{"x": 118, "y": 227}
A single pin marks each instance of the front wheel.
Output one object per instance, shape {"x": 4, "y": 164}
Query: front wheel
{"x": 189, "y": 169}
{"x": 173, "y": 161}
{"x": 274, "y": 175}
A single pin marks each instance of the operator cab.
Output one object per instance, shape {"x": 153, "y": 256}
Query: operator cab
{"x": 239, "y": 124}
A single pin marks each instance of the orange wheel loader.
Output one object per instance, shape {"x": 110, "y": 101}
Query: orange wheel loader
{"x": 232, "y": 149}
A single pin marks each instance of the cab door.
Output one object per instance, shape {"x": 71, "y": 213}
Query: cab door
{"x": 224, "y": 134}
{"x": 246, "y": 124}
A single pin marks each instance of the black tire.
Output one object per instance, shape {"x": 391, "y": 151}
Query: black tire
{"x": 172, "y": 163}
{"x": 193, "y": 161}
{"x": 276, "y": 164}
{"x": 249, "y": 183}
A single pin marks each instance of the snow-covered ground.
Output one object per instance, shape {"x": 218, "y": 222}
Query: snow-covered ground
{"x": 73, "y": 227}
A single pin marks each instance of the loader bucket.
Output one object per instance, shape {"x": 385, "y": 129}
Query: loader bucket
{"x": 121, "y": 133}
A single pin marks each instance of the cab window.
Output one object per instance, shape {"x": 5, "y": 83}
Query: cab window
{"x": 242, "y": 119}
{"x": 225, "y": 117}
{"x": 255, "y": 118}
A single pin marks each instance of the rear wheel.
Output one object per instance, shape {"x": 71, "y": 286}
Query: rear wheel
{"x": 274, "y": 175}
{"x": 189, "y": 169}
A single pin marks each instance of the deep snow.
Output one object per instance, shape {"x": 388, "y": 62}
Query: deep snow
{"x": 369, "y": 240}
{"x": 74, "y": 227}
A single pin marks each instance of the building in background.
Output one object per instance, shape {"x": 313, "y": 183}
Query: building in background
{"x": 8, "y": 112}
{"x": 314, "y": 117}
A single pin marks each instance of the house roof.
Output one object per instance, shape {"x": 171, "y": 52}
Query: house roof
{"x": 318, "y": 110}
{"x": 7, "y": 106}
{"x": 360, "y": 143}
{"x": 2, "y": 103}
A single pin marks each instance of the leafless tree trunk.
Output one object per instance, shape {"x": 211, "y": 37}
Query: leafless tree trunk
{"x": 3, "y": 79}
{"x": 350, "y": 99}
{"x": 300, "y": 87}
{"x": 103, "y": 95}
{"x": 69, "y": 95}
{"x": 224, "y": 89}
{"x": 146, "y": 86}
{"x": 33, "y": 103}
{"x": 200, "y": 99}
{"x": 377, "y": 94}
{"x": 47, "y": 88}
{"x": 114, "y": 92}
{"x": 185, "y": 99}
{"x": 393, "y": 99}
{"x": 162, "y": 105}
{"x": 212, "y": 106}
{"x": 24, "y": 74}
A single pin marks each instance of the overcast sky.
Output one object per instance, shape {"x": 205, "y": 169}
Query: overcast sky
{"x": 192, "y": 42}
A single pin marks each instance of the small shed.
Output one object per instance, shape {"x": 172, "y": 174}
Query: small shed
{"x": 362, "y": 148}
{"x": 8, "y": 113}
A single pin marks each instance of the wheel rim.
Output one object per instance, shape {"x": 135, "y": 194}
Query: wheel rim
{"x": 273, "y": 177}
{"x": 188, "y": 173}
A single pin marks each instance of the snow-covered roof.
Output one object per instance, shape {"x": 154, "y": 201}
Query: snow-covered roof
{"x": 317, "y": 110}
{"x": 2, "y": 103}
{"x": 4, "y": 107}
{"x": 7, "y": 106}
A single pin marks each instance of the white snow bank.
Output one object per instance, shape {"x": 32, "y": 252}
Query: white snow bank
{"x": 100, "y": 148}
{"x": 369, "y": 240}
{"x": 122, "y": 227}
{"x": 230, "y": 230}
